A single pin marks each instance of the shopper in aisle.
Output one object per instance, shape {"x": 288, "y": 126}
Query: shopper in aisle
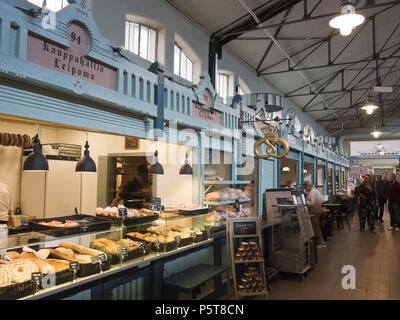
{"x": 290, "y": 184}
{"x": 382, "y": 187}
{"x": 314, "y": 200}
{"x": 394, "y": 202}
{"x": 367, "y": 203}
{"x": 5, "y": 204}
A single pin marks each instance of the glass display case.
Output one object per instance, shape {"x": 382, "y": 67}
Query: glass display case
{"x": 43, "y": 260}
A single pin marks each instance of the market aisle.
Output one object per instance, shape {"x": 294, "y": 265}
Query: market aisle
{"x": 375, "y": 257}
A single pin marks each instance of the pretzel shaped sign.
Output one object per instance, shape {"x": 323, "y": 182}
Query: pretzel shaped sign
{"x": 271, "y": 140}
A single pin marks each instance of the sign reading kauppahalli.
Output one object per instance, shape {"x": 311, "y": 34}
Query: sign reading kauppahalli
{"x": 72, "y": 61}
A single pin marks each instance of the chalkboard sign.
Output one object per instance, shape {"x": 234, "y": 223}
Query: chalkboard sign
{"x": 36, "y": 276}
{"x": 74, "y": 266}
{"x": 245, "y": 228}
{"x": 84, "y": 229}
{"x": 123, "y": 212}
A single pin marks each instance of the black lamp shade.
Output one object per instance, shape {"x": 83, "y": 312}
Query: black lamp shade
{"x": 86, "y": 164}
{"x": 36, "y": 161}
{"x": 156, "y": 168}
{"x": 186, "y": 168}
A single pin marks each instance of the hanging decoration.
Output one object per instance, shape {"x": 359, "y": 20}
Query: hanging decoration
{"x": 271, "y": 140}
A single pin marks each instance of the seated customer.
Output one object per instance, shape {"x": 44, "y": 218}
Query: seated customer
{"x": 314, "y": 200}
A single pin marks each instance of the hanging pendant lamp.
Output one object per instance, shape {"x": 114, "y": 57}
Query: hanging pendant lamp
{"x": 186, "y": 168}
{"x": 36, "y": 162}
{"x": 347, "y": 20}
{"x": 86, "y": 164}
{"x": 156, "y": 167}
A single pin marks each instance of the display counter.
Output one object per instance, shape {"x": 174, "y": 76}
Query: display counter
{"x": 41, "y": 264}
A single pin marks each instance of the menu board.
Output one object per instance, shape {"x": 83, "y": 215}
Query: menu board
{"x": 245, "y": 228}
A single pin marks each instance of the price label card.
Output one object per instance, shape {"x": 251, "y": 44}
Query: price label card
{"x": 153, "y": 207}
{"x": 95, "y": 259}
{"x": 84, "y": 229}
{"x": 143, "y": 246}
{"x": 178, "y": 238}
{"x": 36, "y": 276}
{"x": 123, "y": 251}
{"x": 74, "y": 266}
{"x": 123, "y": 212}
{"x": 155, "y": 201}
{"x": 102, "y": 257}
{"x": 237, "y": 206}
{"x": 193, "y": 234}
{"x": 156, "y": 243}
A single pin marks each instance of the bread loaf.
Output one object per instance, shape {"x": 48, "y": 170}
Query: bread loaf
{"x": 79, "y": 249}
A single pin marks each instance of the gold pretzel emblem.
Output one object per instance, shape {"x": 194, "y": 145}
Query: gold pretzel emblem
{"x": 271, "y": 140}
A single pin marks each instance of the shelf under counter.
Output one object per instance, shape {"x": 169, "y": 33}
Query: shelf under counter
{"x": 221, "y": 203}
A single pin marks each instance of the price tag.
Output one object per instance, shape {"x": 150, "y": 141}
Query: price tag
{"x": 157, "y": 243}
{"x": 155, "y": 201}
{"x": 237, "y": 206}
{"x": 74, "y": 266}
{"x": 95, "y": 259}
{"x": 84, "y": 229}
{"x": 143, "y": 246}
{"x": 178, "y": 238}
{"x": 193, "y": 234}
{"x": 37, "y": 276}
{"x": 123, "y": 251}
{"x": 160, "y": 208}
{"x": 102, "y": 257}
{"x": 123, "y": 212}
{"x": 153, "y": 207}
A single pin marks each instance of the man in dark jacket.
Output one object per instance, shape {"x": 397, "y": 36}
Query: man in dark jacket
{"x": 394, "y": 202}
{"x": 382, "y": 187}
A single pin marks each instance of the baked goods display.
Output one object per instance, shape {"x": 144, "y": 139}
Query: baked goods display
{"x": 113, "y": 247}
{"x": 220, "y": 216}
{"x": 248, "y": 251}
{"x": 12, "y": 139}
{"x": 226, "y": 194}
{"x": 59, "y": 224}
{"x": 74, "y": 252}
{"x": 131, "y": 213}
{"x": 16, "y": 271}
{"x": 251, "y": 281}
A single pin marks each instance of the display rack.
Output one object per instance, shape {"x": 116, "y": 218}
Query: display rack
{"x": 239, "y": 229}
{"x": 292, "y": 244}
{"x": 221, "y": 203}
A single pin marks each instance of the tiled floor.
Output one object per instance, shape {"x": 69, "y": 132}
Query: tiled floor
{"x": 375, "y": 257}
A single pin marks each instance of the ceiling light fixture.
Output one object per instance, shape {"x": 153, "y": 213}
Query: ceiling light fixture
{"x": 36, "y": 161}
{"x": 347, "y": 20}
{"x": 285, "y": 169}
{"x": 376, "y": 133}
{"x": 156, "y": 167}
{"x": 186, "y": 168}
{"x": 369, "y": 107}
{"x": 86, "y": 164}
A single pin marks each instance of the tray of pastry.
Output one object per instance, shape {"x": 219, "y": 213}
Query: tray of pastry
{"x": 112, "y": 248}
{"x": 158, "y": 242}
{"x": 47, "y": 266}
{"x": 133, "y": 217}
{"x": 16, "y": 279}
{"x": 192, "y": 210}
{"x": 195, "y": 233}
{"x": 69, "y": 225}
{"x": 77, "y": 253}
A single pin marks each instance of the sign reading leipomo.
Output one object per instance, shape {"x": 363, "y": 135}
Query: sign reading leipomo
{"x": 73, "y": 60}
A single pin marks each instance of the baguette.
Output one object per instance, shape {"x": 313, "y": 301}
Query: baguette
{"x": 79, "y": 249}
{"x": 105, "y": 245}
{"x": 64, "y": 256}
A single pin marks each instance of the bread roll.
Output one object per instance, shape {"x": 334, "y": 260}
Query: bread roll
{"x": 58, "y": 265}
{"x": 13, "y": 254}
{"x": 68, "y": 252}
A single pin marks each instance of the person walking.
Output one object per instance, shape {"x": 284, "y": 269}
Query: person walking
{"x": 382, "y": 187}
{"x": 394, "y": 202}
{"x": 366, "y": 206}
{"x": 314, "y": 200}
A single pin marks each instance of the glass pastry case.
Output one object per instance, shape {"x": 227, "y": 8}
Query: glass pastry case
{"x": 46, "y": 259}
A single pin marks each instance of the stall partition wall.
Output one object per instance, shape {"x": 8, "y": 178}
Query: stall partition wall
{"x": 294, "y": 163}
{"x": 331, "y": 178}
{"x": 322, "y": 177}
